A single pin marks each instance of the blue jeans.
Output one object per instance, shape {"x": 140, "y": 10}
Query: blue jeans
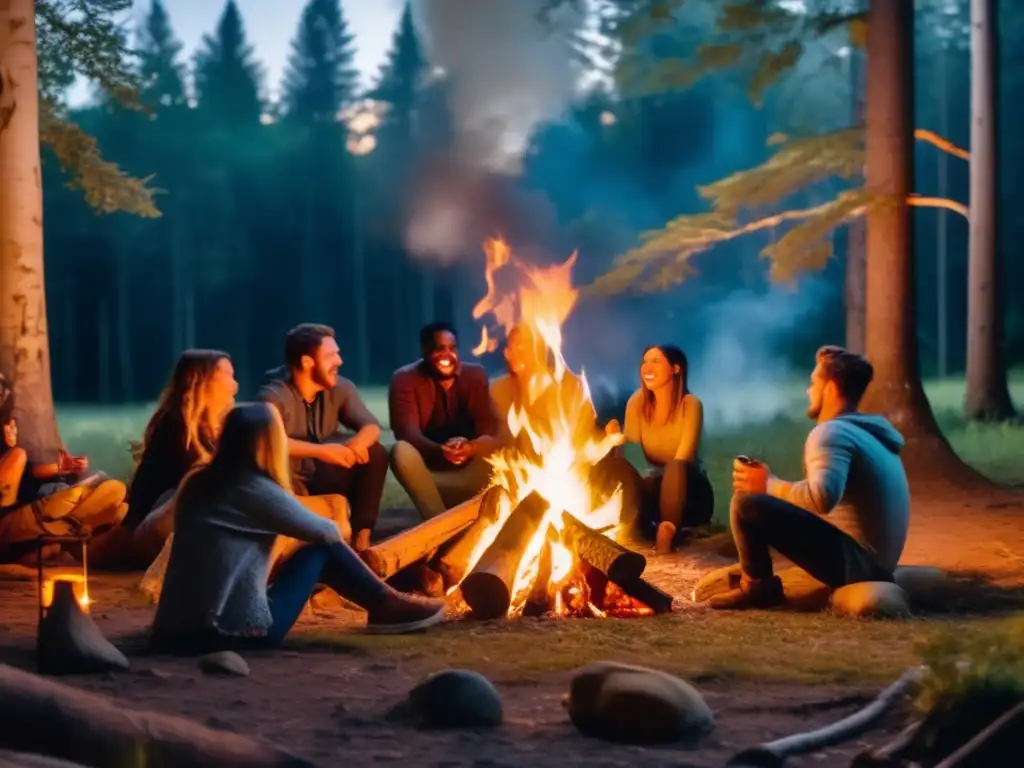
{"x": 335, "y": 565}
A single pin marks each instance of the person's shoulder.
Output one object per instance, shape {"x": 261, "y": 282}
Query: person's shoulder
{"x": 635, "y": 400}
{"x": 344, "y": 389}
{"x": 833, "y": 432}
{"x": 274, "y": 390}
{"x": 473, "y": 372}
{"x": 690, "y": 400}
{"x": 407, "y": 373}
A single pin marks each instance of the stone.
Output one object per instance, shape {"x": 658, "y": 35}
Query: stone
{"x": 636, "y": 705}
{"x": 69, "y": 643}
{"x": 97, "y": 730}
{"x": 224, "y": 663}
{"x": 455, "y": 698}
{"x": 25, "y": 760}
{"x": 877, "y": 599}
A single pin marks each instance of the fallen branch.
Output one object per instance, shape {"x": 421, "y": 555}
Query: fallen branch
{"x": 999, "y": 744}
{"x": 774, "y": 753}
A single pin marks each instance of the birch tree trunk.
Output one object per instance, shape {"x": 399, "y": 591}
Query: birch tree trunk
{"x": 987, "y": 397}
{"x": 891, "y": 319}
{"x": 24, "y": 338}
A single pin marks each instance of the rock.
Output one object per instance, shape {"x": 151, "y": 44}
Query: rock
{"x": 455, "y": 698}
{"x": 631, "y": 704}
{"x": 926, "y": 586}
{"x": 96, "y": 730}
{"x": 69, "y": 643}
{"x": 224, "y": 663}
{"x": 25, "y": 760}
{"x": 878, "y": 599}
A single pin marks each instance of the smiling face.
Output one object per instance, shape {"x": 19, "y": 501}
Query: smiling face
{"x": 323, "y": 365}
{"x": 521, "y": 352}
{"x": 655, "y": 371}
{"x": 11, "y": 433}
{"x": 442, "y": 355}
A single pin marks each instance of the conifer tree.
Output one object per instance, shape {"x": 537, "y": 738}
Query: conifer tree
{"x": 227, "y": 80}
{"x": 320, "y": 78}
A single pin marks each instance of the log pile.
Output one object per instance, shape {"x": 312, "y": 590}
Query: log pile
{"x": 608, "y": 577}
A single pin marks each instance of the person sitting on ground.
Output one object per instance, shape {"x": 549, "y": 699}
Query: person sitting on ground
{"x": 229, "y": 515}
{"x": 181, "y": 434}
{"x": 314, "y": 402}
{"x": 49, "y": 499}
{"x": 444, "y": 425}
{"x": 666, "y": 420}
{"x": 527, "y": 356}
{"x": 847, "y": 521}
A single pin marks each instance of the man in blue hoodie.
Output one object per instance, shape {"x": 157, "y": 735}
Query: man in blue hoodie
{"x": 847, "y": 521}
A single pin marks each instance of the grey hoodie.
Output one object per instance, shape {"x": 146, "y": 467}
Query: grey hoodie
{"x": 855, "y": 477}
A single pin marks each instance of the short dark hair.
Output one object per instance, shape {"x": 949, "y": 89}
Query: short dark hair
{"x": 429, "y": 331}
{"x": 304, "y": 339}
{"x": 850, "y": 372}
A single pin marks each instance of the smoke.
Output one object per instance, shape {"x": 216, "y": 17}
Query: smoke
{"x": 508, "y": 67}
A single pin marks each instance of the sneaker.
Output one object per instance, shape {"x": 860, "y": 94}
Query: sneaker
{"x": 401, "y": 613}
{"x": 664, "y": 541}
{"x": 751, "y": 594}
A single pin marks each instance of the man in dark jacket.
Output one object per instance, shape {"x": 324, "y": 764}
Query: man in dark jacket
{"x": 314, "y": 402}
{"x": 444, "y": 424}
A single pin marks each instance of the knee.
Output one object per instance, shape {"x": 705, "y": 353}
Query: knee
{"x": 14, "y": 461}
{"x": 403, "y": 457}
{"x": 113, "y": 490}
{"x": 378, "y": 455}
{"x": 745, "y": 508}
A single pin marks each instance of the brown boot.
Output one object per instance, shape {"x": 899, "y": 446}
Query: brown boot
{"x": 401, "y": 613}
{"x": 752, "y": 594}
{"x": 664, "y": 542}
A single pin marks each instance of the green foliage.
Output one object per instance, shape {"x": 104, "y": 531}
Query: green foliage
{"x": 83, "y": 37}
{"x": 320, "y": 77}
{"x": 227, "y": 79}
{"x": 161, "y": 73}
{"x": 663, "y": 258}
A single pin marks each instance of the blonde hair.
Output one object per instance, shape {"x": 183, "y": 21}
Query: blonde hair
{"x": 253, "y": 439}
{"x": 186, "y": 394}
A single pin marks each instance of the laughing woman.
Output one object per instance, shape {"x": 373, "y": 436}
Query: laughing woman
{"x": 666, "y": 420}
{"x": 228, "y": 515}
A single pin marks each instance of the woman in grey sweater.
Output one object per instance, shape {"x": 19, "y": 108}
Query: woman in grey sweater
{"x": 228, "y": 515}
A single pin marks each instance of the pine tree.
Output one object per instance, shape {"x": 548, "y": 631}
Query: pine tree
{"x": 162, "y": 74}
{"x": 227, "y": 79}
{"x": 320, "y": 78}
{"x": 402, "y": 79}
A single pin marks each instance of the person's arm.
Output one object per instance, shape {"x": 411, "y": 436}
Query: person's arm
{"x": 827, "y": 457}
{"x": 354, "y": 414}
{"x": 297, "y": 449}
{"x": 12, "y": 468}
{"x": 403, "y": 411}
{"x": 271, "y": 507}
{"x": 693, "y": 424}
{"x": 631, "y": 429}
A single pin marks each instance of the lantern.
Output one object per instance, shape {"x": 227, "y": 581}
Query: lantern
{"x": 46, "y": 585}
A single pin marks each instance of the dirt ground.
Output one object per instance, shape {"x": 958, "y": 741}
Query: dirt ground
{"x": 329, "y": 706}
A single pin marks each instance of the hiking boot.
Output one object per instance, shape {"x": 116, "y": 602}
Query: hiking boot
{"x": 401, "y": 613}
{"x": 664, "y": 541}
{"x": 752, "y": 594}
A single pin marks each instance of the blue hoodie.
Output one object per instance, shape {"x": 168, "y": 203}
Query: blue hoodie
{"x": 856, "y": 478}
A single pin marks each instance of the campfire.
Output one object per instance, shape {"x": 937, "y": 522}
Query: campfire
{"x": 538, "y": 541}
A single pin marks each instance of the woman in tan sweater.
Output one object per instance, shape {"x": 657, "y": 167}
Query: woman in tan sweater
{"x": 666, "y": 420}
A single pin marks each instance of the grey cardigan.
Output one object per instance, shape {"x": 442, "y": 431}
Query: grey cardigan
{"x": 217, "y": 573}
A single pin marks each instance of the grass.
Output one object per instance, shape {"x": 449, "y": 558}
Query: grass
{"x": 104, "y": 434}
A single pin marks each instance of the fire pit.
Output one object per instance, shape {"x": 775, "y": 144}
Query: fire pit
{"x": 540, "y": 540}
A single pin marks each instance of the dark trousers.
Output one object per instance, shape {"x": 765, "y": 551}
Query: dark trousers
{"x": 610, "y": 473}
{"x": 362, "y": 485}
{"x": 761, "y": 522}
{"x": 680, "y": 494}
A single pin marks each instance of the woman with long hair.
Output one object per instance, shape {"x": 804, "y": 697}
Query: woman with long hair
{"x": 666, "y": 420}
{"x": 181, "y": 434}
{"x": 229, "y": 514}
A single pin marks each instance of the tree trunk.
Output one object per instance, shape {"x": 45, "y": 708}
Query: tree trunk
{"x": 125, "y": 369}
{"x": 360, "y": 287}
{"x": 987, "y": 397}
{"x": 103, "y": 350}
{"x": 890, "y": 327}
{"x": 856, "y": 239}
{"x": 24, "y": 338}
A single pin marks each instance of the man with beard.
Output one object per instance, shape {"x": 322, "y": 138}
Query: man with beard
{"x": 527, "y": 356}
{"x": 847, "y": 521}
{"x": 444, "y": 425}
{"x": 314, "y": 402}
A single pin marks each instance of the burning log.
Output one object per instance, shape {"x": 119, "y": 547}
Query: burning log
{"x": 639, "y": 590}
{"x": 487, "y": 590}
{"x": 402, "y": 550}
{"x": 598, "y": 551}
{"x": 656, "y": 599}
{"x": 454, "y": 563}
{"x": 539, "y": 601}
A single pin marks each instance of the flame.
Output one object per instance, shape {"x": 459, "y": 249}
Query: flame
{"x": 539, "y": 300}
